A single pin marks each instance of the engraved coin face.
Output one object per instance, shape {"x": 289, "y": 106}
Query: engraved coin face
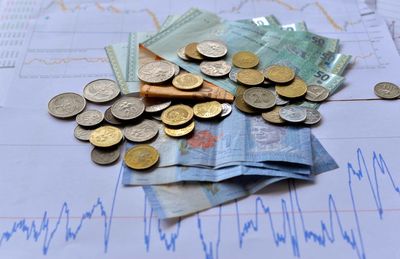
{"x": 245, "y": 59}
{"x": 316, "y": 93}
{"x": 89, "y": 118}
{"x": 250, "y": 77}
{"x": 82, "y": 133}
{"x": 191, "y": 51}
{"x": 180, "y": 132}
{"x": 297, "y": 88}
{"x": 106, "y": 136}
{"x": 156, "y": 72}
{"x": 207, "y": 110}
{"x": 110, "y": 118}
{"x": 273, "y": 116}
{"x": 313, "y": 116}
{"x": 293, "y": 113}
{"x": 215, "y": 68}
{"x": 279, "y": 74}
{"x": 154, "y": 105}
{"x": 141, "y": 157}
{"x": 177, "y": 115}
{"x": 103, "y": 156}
{"x": 127, "y": 108}
{"x": 181, "y": 54}
{"x": 212, "y": 49}
{"x": 101, "y": 91}
{"x": 141, "y": 132}
{"x": 387, "y": 90}
{"x": 187, "y": 81}
{"x": 242, "y": 106}
{"x": 226, "y": 109}
{"x": 66, "y": 105}
{"x": 259, "y": 98}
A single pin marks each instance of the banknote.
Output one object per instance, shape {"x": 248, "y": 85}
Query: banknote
{"x": 176, "y": 200}
{"x": 240, "y": 36}
{"x": 322, "y": 162}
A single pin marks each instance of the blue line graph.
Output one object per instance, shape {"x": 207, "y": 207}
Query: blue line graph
{"x": 293, "y": 232}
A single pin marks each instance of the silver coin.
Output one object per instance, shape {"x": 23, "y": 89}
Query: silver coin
{"x": 259, "y": 98}
{"x": 82, "y": 133}
{"x": 89, "y": 118}
{"x": 156, "y": 117}
{"x": 316, "y": 93}
{"x": 212, "y": 49}
{"x": 226, "y": 109}
{"x": 233, "y": 74}
{"x": 215, "y": 68}
{"x": 279, "y": 100}
{"x": 387, "y": 90}
{"x": 103, "y": 156}
{"x": 156, "y": 72}
{"x": 110, "y": 118}
{"x": 127, "y": 108}
{"x": 141, "y": 132}
{"x": 101, "y": 91}
{"x": 313, "y": 116}
{"x": 181, "y": 54}
{"x": 66, "y": 105}
{"x": 293, "y": 113}
{"x": 176, "y": 69}
{"x": 156, "y": 105}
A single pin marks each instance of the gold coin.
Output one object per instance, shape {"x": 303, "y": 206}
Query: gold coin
{"x": 179, "y": 132}
{"x": 250, "y": 77}
{"x": 242, "y": 106}
{"x": 141, "y": 157}
{"x": 207, "y": 110}
{"x": 279, "y": 74}
{"x": 245, "y": 59}
{"x": 177, "y": 115}
{"x": 187, "y": 81}
{"x": 191, "y": 51}
{"x": 106, "y": 136}
{"x": 295, "y": 89}
{"x": 273, "y": 116}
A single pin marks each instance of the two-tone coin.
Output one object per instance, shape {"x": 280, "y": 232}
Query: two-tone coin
{"x": 66, "y": 105}
{"x": 215, "y": 68}
{"x": 102, "y": 156}
{"x": 297, "y": 88}
{"x": 105, "y": 136}
{"x": 279, "y": 74}
{"x": 127, "y": 108}
{"x": 386, "y": 90}
{"x": 293, "y": 113}
{"x": 187, "y": 81}
{"x": 156, "y": 72}
{"x": 245, "y": 59}
{"x": 250, "y": 77}
{"x": 144, "y": 131}
{"x": 177, "y": 115}
{"x": 82, "y": 134}
{"x": 89, "y": 118}
{"x": 207, "y": 110}
{"x": 141, "y": 157}
{"x": 259, "y": 98}
{"x": 101, "y": 91}
{"x": 316, "y": 93}
{"x": 176, "y": 133}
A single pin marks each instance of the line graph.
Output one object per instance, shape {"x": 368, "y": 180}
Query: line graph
{"x": 66, "y": 60}
{"x": 293, "y": 232}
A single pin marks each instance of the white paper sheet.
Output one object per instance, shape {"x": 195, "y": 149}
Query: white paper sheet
{"x": 55, "y": 203}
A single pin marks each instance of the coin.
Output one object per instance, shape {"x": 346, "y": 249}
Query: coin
{"x": 187, "y": 81}
{"x": 89, "y": 118}
{"x": 215, "y": 68}
{"x": 259, "y": 98}
{"x": 127, "y": 108}
{"x": 181, "y": 54}
{"x": 155, "y": 104}
{"x": 226, "y": 109}
{"x": 191, "y": 51}
{"x": 293, "y": 113}
{"x": 82, "y": 133}
{"x": 176, "y": 69}
{"x": 233, "y": 74}
{"x": 110, "y": 118}
{"x": 250, "y": 77}
{"x": 156, "y": 117}
{"x": 103, "y": 156}
{"x": 295, "y": 89}
{"x": 316, "y": 93}
{"x": 156, "y": 72}
{"x": 180, "y": 132}
{"x": 207, "y": 110}
{"x": 245, "y": 59}
{"x": 242, "y": 106}
{"x": 212, "y": 49}
{"x": 141, "y": 132}
{"x": 177, "y": 115}
{"x": 101, "y": 91}
{"x": 273, "y": 116}
{"x": 279, "y": 74}
{"x": 106, "y": 136}
{"x": 141, "y": 157}
{"x": 387, "y": 90}
{"x": 66, "y": 105}
{"x": 313, "y": 116}
{"x": 279, "y": 100}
